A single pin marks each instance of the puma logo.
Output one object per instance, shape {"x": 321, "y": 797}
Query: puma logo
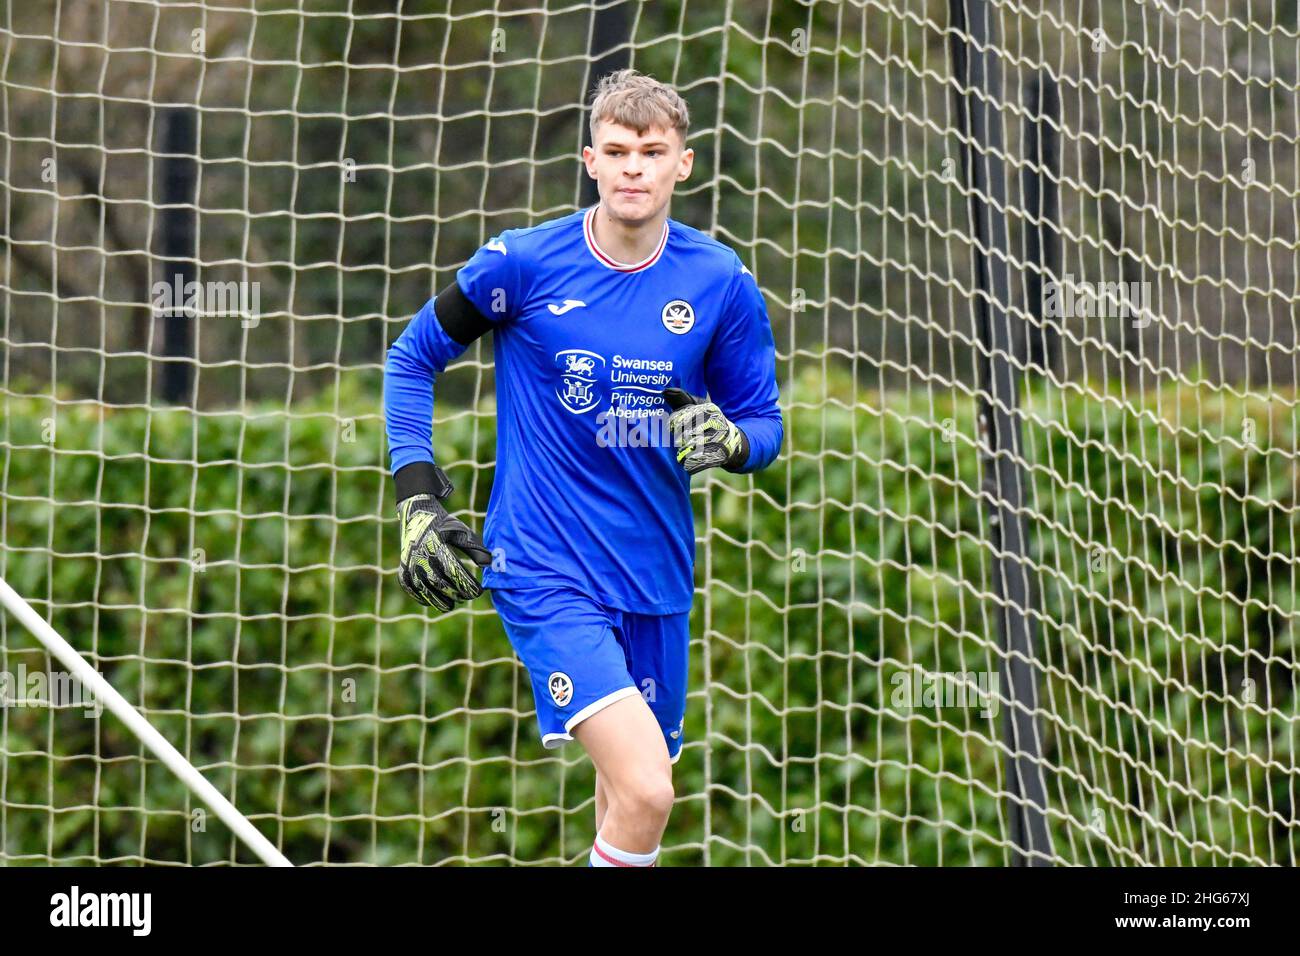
{"x": 496, "y": 245}
{"x": 568, "y": 304}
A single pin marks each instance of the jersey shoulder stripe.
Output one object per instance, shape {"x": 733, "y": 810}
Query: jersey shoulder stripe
{"x": 538, "y": 247}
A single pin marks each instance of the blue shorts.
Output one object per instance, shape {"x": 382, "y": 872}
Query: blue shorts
{"x": 582, "y": 656}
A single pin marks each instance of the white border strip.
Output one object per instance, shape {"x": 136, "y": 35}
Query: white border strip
{"x": 103, "y": 691}
{"x": 551, "y": 741}
{"x": 598, "y": 705}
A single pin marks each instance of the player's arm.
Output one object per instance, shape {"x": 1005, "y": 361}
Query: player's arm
{"x": 738, "y": 427}
{"x": 432, "y": 541}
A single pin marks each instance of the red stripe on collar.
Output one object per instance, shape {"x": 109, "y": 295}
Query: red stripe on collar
{"x": 589, "y": 233}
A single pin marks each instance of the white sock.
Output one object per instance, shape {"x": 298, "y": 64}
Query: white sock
{"x": 605, "y": 854}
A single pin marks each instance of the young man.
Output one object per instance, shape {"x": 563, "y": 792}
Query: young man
{"x": 604, "y": 321}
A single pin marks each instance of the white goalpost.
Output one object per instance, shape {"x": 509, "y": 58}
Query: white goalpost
{"x": 102, "y": 691}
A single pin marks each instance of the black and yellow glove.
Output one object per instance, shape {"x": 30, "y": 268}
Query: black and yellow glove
{"x": 430, "y": 571}
{"x": 705, "y": 437}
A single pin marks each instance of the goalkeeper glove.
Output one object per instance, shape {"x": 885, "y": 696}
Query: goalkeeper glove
{"x": 430, "y": 571}
{"x": 705, "y": 437}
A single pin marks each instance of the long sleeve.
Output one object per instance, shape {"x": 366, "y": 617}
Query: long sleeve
{"x": 488, "y": 292}
{"x": 740, "y": 371}
{"x": 414, "y": 362}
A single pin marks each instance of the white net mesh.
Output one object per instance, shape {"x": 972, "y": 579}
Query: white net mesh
{"x": 215, "y": 530}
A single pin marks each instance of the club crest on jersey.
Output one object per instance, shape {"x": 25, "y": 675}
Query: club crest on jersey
{"x": 578, "y": 369}
{"x": 561, "y": 688}
{"x": 678, "y": 317}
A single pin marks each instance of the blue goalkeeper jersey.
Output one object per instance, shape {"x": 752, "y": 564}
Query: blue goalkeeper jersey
{"x": 588, "y": 492}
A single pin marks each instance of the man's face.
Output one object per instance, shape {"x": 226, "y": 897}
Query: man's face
{"x": 635, "y": 174}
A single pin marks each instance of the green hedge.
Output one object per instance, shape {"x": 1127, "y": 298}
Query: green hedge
{"x": 287, "y": 663}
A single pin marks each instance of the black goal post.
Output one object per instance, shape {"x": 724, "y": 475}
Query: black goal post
{"x": 976, "y": 73}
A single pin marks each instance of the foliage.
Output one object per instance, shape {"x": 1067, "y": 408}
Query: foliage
{"x": 231, "y": 574}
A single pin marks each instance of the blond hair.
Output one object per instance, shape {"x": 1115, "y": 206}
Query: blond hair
{"x": 639, "y": 102}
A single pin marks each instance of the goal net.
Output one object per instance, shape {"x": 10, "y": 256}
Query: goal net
{"x": 218, "y": 214}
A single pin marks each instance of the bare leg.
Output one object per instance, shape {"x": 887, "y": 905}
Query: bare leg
{"x": 602, "y": 802}
{"x": 633, "y": 771}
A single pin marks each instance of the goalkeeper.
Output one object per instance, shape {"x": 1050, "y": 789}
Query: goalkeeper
{"x": 610, "y": 326}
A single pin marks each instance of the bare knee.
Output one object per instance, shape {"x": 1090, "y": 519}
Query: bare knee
{"x": 648, "y": 796}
